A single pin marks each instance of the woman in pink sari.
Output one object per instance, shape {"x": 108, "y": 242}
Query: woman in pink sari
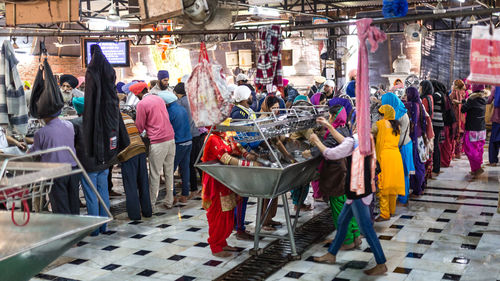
{"x": 458, "y": 94}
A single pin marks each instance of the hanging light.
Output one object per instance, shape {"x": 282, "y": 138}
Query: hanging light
{"x": 14, "y": 45}
{"x": 472, "y": 20}
{"x": 439, "y": 8}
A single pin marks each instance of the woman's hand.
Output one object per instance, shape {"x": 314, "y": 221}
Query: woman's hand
{"x": 251, "y": 156}
{"x": 314, "y": 139}
{"x": 21, "y": 145}
{"x": 306, "y": 154}
{"x": 322, "y": 121}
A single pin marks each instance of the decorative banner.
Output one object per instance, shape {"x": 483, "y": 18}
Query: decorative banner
{"x": 320, "y": 34}
{"x": 485, "y": 56}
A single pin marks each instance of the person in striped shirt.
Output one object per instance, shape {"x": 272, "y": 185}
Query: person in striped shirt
{"x": 135, "y": 173}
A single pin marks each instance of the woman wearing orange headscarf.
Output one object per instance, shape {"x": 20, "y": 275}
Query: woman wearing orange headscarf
{"x": 391, "y": 177}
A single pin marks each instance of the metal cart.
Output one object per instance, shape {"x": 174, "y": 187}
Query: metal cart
{"x": 25, "y": 251}
{"x": 268, "y": 182}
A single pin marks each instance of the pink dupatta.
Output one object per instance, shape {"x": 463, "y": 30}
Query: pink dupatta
{"x": 374, "y": 36}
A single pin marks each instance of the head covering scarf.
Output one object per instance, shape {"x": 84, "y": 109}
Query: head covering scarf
{"x": 416, "y": 108}
{"x": 397, "y": 105}
{"x": 300, "y": 98}
{"x": 81, "y": 80}
{"x": 316, "y": 98}
{"x": 119, "y": 87}
{"x": 27, "y": 84}
{"x": 70, "y": 79}
{"x": 78, "y": 104}
{"x": 167, "y": 96}
{"x": 427, "y": 88}
{"x": 343, "y": 102}
{"x": 340, "y": 119}
{"x": 387, "y": 111}
{"x": 477, "y": 88}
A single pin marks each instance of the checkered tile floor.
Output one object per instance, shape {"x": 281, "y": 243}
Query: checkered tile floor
{"x": 450, "y": 233}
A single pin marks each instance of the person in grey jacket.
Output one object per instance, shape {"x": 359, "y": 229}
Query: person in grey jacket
{"x": 198, "y": 137}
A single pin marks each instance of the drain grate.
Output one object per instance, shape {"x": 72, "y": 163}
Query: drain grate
{"x": 275, "y": 256}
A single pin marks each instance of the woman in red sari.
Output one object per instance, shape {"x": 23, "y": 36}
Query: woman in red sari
{"x": 218, "y": 200}
{"x": 458, "y": 94}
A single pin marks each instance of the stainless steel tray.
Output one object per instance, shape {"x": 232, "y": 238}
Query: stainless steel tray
{"x": 263, "y": 182}
{"x": 25, "y": 251}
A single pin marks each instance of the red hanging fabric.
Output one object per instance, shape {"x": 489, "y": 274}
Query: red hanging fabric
{"x": 374, "y": 36}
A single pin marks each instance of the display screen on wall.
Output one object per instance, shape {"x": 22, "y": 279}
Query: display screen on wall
{"x": 117, "y": 52}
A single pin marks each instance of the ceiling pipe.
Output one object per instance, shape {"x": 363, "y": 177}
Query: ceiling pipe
{"x": 79, "y": 33}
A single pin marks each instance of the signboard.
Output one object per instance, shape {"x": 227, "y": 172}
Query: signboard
{"x": 320, "y": 34}
{"x": 117, "y": 53}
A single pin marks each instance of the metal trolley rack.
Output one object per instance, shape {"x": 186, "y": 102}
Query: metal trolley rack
{"x": 268, "y": 182}
{"x": 25, "y": 251}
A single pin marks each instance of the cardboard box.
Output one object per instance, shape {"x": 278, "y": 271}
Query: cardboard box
{"x": 40, "y": 13}
{"x": 154, "y": 10}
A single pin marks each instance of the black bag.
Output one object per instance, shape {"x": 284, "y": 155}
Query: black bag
{"x": 46, "y": 99}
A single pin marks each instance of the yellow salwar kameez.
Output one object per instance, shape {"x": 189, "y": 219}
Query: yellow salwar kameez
{"x": 391, "y": 178}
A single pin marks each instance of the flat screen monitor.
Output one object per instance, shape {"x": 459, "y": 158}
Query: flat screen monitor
{"x": 117, "y": 52}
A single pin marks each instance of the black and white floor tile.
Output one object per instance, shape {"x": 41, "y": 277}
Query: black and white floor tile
{"x": 450, "y": 233}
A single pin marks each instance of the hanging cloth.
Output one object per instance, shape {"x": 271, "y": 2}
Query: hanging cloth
{"x": 374, "y": 36}
{"x": 269, "y": 69}
{"x": 13, "y": 108}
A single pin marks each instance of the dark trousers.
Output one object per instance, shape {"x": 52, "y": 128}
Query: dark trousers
{"x": 64, "y": 197}
{"x": 181, "y": 160}
{"x": 494, "y": 145}
{"x": 436, "y": 156}
{"x": 239, "y": 215}
{"x": 110, "y": 178}
{"x": 136, "y": 185}
{"x": 195, "y": 150}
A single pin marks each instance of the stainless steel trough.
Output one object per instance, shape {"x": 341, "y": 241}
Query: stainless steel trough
{"x": 262, "y": 182}
{"x": 25, "y": 251}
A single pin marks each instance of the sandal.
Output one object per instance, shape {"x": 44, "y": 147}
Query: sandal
{"x": 268, "y": 228}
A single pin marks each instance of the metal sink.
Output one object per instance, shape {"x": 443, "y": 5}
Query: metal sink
{"x": 25, "y": 251}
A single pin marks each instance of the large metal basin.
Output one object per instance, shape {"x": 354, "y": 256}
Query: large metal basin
{"x": 262, "y": 182}
{"x": 25, "y": 251}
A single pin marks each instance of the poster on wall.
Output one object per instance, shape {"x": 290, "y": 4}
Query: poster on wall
{"x": 320, "y": 34}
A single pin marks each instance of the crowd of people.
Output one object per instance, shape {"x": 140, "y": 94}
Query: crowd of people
{"x": 414, "y": 136}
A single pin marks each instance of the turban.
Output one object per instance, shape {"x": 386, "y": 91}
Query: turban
{"x": 162, "y": 74}
{"x": 126, "y": 87}
{"x": 78, "y": 105}
{"x": 167, "y": 96}
{"x": 72, "y": 80}
{"x": 137, "y": 88}
{"x": 119, "y": 86}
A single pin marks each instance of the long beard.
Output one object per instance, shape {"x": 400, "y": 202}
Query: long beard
{"x": 163, "y": 87}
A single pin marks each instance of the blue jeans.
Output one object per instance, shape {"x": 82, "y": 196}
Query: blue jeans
{"x": 361, "y": 212}
{"x": 181, "y": 160}
{"x": 136, "y": 185}
{"x": 94, "y": 208}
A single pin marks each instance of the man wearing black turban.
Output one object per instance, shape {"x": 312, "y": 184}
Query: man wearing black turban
{"x": 68, "y": 85}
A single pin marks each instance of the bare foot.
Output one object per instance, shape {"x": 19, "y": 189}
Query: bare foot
{"x": 347, "y": 247}
{"x": 379, "y": 219}
{"x": 327, "y": 241}
{"x": 492, "y": 164}
{"x": 230, "y": 249}
{"x": 379, "y": 269}
{"x": 222, "y": 254}
{"x": 326, "y": 258}
{"x": 358, "y": 241}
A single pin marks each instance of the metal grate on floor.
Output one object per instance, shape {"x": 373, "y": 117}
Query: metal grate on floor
{"x": 276, "y": 255}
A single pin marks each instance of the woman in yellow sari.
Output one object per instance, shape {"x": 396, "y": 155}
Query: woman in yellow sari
{"x": 391, "y": 177}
